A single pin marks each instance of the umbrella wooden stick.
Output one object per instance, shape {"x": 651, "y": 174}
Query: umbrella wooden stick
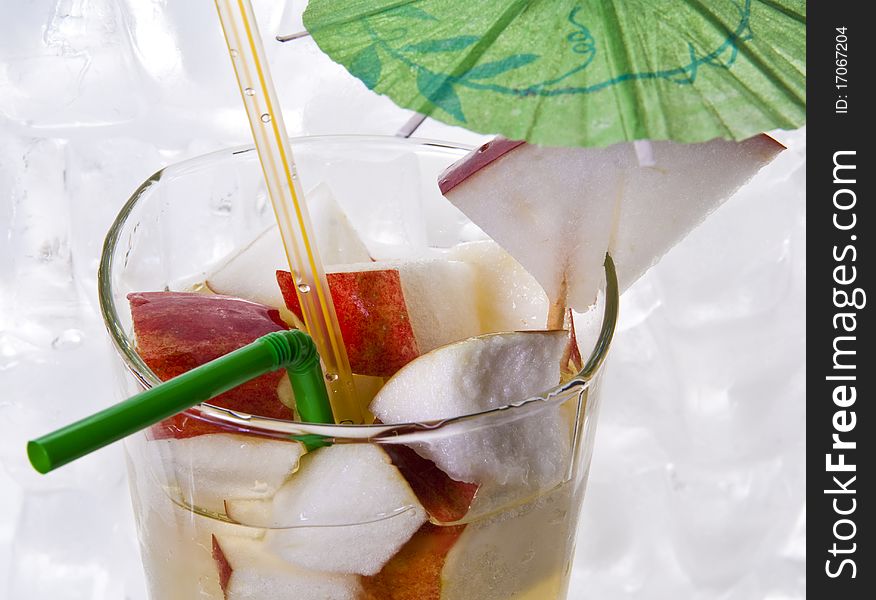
{"x": 292, "y": 36}
{"x": 408, "y": 129}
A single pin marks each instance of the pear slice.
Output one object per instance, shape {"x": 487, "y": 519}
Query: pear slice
{"x": 558, "y": 210}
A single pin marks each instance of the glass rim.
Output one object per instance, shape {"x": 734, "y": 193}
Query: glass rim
{"x": 397, "y": 432}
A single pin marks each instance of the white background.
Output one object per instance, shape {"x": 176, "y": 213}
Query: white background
{"x": 697, "y": 483}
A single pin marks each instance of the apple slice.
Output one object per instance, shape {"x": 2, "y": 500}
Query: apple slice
{"x": 249, "y": 571}
{"x": 445, "y": 499}
{"x": 558, "y": 210}
{"x": 250, "y": 273}
{"x": 178, "y": 331}
{"x": 346, "y": 510}
{"x": 391, "y": 312}
{"x": 415, "y": 572}
{"x": 517, "y": 455}
{"x": 508, "y": 297}
{"x": 372, "y": 315}
{"x": 210, "y": 468}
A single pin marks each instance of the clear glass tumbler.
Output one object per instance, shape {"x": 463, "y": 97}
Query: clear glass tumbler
{"x": 246, "y": 512}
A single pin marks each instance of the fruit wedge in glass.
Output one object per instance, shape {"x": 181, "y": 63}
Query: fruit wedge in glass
{"x": 468, "y": 478}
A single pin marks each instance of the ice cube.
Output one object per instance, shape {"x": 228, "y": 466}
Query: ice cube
{"x": 250, "y": 273}
{"x": 81, "y": 71}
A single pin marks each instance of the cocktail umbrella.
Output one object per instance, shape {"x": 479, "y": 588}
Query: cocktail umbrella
{"x": 578, "y": 72}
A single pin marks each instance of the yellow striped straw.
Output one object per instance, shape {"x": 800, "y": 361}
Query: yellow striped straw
{"x": 272, "y": 143}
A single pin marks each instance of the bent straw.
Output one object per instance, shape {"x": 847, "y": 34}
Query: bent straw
{"x": 272, "y": 143}
{"x": 293, "y": 350}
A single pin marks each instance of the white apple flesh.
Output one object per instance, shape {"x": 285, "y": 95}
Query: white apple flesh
{"x": 558, "y": 210}
{"x": 439, "y": 295}
{"x": 511, "y": 456}
{"x": 662, "y": 203}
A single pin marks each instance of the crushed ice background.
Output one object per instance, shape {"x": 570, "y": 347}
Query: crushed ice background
{"x": 697, "y": 483}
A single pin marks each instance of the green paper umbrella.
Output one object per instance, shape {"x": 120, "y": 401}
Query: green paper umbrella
{"x": 578, "y": 72}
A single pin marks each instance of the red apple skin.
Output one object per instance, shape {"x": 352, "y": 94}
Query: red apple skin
{"x": 414, "y": 573}
{"x": 475, "y": 161}
{"x": 178, "y": 331}
{"x": 222, "y": 565}
{"x": 571, "y": 363}
{"x": 446, "y": 500}
{"x": 372, "y": 315}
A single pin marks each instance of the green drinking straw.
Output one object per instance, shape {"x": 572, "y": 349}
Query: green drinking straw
{"x": 292, "y": 349}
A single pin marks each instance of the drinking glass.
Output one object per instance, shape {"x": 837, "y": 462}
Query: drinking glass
{"x": 200, "y": 502}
